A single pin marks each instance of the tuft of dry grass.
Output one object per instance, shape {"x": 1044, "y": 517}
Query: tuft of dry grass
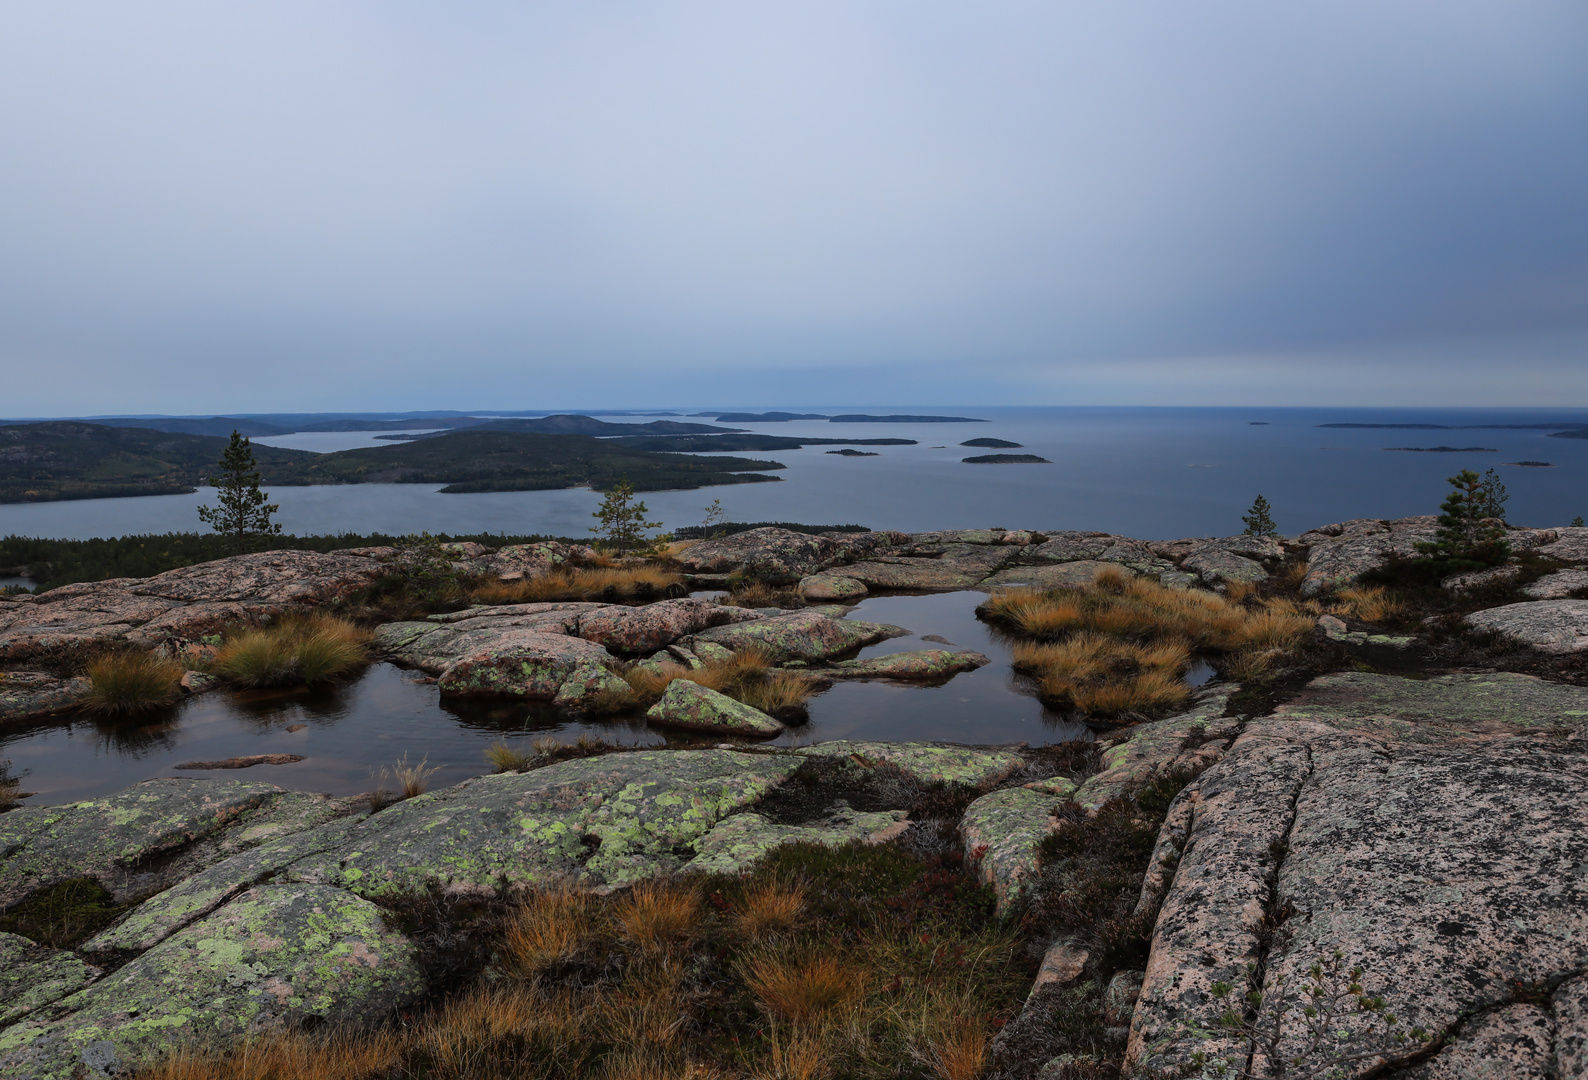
{"x": 803, "y": 987}
{"x": 292, "y": 651}
{"x": 1251, "y": 665}
{"x": 1106, "y": 676}
{"x": 626, "y": 582}
{"x": 1372, "y": 604}
{"x": 758, "y": 594}
{"x": 657, "y": 916}
{"x": 127, "y": 683}
{"x": 959, "y": 1053}
{"x": 747, "y": 676}
{"x": 770, "y": 907}
{"x": 508, "y": 758}
{"x": 549, "y": 927}
{"x": 800, "y": 1056}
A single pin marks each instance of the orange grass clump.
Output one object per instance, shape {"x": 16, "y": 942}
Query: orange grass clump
{"x": 581, "y": 583}
{"x": 802, "y": 989}
{"x": 655, "y": 917}
{"x": 769, "y": 907}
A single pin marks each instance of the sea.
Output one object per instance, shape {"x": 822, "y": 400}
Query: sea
{"x": 1151, "y": 473}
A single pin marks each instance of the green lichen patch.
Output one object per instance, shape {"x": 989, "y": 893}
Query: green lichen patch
{"x": 32, "y": 977}
{"x": 602, "y": 821}
{"x": 274, "y": 956}
{"x": 1003, "y": 832}
{"x": 926, "y": 762}
{"x": 739, "y": 842}
{"x": 803, "y": 635}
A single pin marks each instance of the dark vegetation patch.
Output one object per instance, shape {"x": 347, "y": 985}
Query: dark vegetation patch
{"x": 1006, "y": 459}
{"x": 63, "y": 914}
{"x": 728, "y": 528}
{"x": 992, "y": 444}
{"x": 854, "y": 453}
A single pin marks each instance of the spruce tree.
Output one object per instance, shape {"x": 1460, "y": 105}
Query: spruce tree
{"x": 1472, "y": 520}
{"x": 242, "y": 513}
{"x": 623, "y": 525}
{"x": 1258, "y": 521}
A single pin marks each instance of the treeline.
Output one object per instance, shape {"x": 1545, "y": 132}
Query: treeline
{"x": 53, "y": 563}
{"x": 728, "y": 528}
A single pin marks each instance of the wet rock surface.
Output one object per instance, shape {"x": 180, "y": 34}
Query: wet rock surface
{"x": 25, "y": 694}
{"x": 922, "y": 665}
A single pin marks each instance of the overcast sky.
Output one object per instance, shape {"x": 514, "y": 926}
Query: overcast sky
{"x": 218, "y": 206}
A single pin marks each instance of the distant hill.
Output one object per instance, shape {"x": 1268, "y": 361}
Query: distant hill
{"x": 863, "y": 418}
{"x": 748, "y": 441}
{"x": 574, "y": 424}
{"x": 222, "y": 426}
{"x": 764, "y": 417}
{"x": 68, "y": 459}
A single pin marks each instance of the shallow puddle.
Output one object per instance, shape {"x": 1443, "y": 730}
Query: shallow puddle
{"x": 348, "y": 734}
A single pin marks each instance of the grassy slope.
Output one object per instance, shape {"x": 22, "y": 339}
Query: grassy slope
{"x": 72, "y": 460}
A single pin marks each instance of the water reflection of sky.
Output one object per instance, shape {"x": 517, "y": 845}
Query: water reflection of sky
{"x": 350, "y": 733}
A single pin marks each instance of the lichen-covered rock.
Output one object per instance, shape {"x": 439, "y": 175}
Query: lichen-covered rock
{"x": 522, "y": 663}
{"x": 923, "y": 665}
{"x": 180, "y": 604}
{"x": 1556, "y": 586}
{"x": 517, "y": 561}
{"x": 1338, "y": 560}
{"x": 1003, "y": 832}
{"x": 1550, "y": 626}
{"x": 1219, "y": 567}
{"x": 1479, "y": 579}
{"x": 1441, "y": 708}
{"x": 693, "y": 707}
{"x": 275, "y": 956}
{"x": 800, "y": 635}
{"x": 33, "y": 977}
{"x": 1570, "y": 1003}
{"x": 35, "y": 693}
{"x": 1513, "y": 1041}
{"x": 739, "y": 842}
{"x": 1187, "y": 742}
{"x": 915, "y": 574}
{"x": 654, "y": 626}
{"x": 106, "y": 839}
{"x": 925, "y": 762}
{"x": 587, "y": 683}
{"x": 1569, "y": 546}
{"x": 1061, "y": 575}
{"x": 601, "y": 821}
{"x": 441, "y": 640}
{"x": 778, "y": 556}
{"x": 831, "y": 585}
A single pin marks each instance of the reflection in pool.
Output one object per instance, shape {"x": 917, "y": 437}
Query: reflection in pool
{"x": 348, "y": 734}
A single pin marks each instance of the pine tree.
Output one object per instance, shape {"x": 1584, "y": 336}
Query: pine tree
{"x": 1472, "y": 520}
{"x": 623, "y": 526}
{"x": 711, "y": 528}
{"x": 242, "y": 513}
{"x": 1576, "y": 522}
{"x": 1258, "y": 521}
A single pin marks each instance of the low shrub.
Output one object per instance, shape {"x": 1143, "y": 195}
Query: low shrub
{"x": 128, "y": 683}
{"x": 292, "y": 651}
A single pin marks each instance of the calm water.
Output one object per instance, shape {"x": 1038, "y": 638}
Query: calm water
{"x": 1150, "y": 473}
{"x": 351, "y": 733}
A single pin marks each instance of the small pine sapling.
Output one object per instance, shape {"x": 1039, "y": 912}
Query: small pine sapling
{"x": 623, "y": 527}
{"x": 711, "y": 528}
{"x": 1259, "y": 521}
{"x": 425, "y": 567}
{"x": 242, "y": 512}
{"x": 1472, "y": 520}
{"x": 1576, "y": 522}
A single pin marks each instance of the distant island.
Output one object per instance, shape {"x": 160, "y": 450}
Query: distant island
{"x": 993, "y": 444}
{"x": 855, "y": 453}
{"x": 1264, "y": 423}
{"x": 1006, "y": 459}
{"x": 863, "y": 418}
{"x": 763, "y": 417}
{"x": 696, "y": 444}
{"x": 57, "y": 460}
{"x": 1443, "y": 449}
{"x": 575, "y": 424}
{"x": 1530, "y": 464}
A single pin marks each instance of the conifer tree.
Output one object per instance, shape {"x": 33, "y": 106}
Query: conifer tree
{"x": 623, "y": 526}
{"x": 1472, "y": 520}
{"x": 1258, "y": 520}
{"x": 242, "y": 512}
{"x": 716, "y": 516}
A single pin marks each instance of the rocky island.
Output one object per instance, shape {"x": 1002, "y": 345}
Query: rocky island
{"x": 1388, "y": 775}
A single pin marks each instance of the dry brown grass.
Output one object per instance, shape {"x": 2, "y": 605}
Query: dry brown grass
{"x": 505, "y": 757}
{"x": 747, "y": 676}
{"x": 770, "y": 907}
{"x": 797, "y": 1056}
{"x": 127, "y": 683}
{"x": 658, "y": 916}
{"x": 621, "y": 582}
{"x": 1371, "y": 604}
{"x": 413, "y": 780}
{"x": 758, "y": 594}
{"x": 292, "y": 651}
{"x": 287, "y": 1055}
{"x": 549, "y": 927}
{"x": 805, "y": 987}
{"x": 1107, "y": 676}
{"x": 959, "y": 1053}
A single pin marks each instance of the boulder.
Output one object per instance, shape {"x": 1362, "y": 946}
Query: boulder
{"x": 830, "y": 585}
{"x": 778, "y": 556}
{"x": 654, "y": 626}
{"x": 518, "y": 561}
{"x": 275, "y": 957}
{"x": 600, "y": 821}
{"x": 925, "y": 762}
{"x": 1569, "y": 546}
{"x": 522, "y": 663}
{"x": 924, "y": 665}
{"x": 1339, "y": 559}
{"x": 25, "y": 694}
{"x": 738, "y": 842}
{"x": 1003, "y": 832}
{"x": 1557, "y": 586}
{"x": 693, "y": 707}
{"x": 1550, "y": 626}
{"x": 182, "y": 604}
{"x": 434, "y": 644}
{"x": 1218, "y": 568}
{"x": 588, "y": 684}
{"x": 800, "y": 635}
